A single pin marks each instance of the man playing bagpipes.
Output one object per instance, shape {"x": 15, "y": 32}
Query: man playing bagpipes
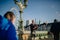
{"x": 33, "y": 28}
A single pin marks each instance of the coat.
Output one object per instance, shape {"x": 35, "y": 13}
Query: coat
{"x": 55, "y": 28}
{"x": 7, "y": 29}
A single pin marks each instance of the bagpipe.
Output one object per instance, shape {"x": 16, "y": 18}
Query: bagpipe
{"x": 35, "y": 26}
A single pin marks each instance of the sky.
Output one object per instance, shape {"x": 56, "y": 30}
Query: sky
{"x": 43, "y": 10}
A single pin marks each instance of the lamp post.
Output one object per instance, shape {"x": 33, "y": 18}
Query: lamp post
{"x": 22, "y": 4}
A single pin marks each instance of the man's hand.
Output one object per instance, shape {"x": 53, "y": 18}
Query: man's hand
{"x": 50, "y": 33}
{"x": 35, "y": 27}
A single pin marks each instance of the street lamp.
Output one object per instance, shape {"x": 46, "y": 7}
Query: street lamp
{"x": 21, "y": 5}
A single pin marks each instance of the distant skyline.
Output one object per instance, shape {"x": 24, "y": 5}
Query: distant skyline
{"x": 43, "y": 10}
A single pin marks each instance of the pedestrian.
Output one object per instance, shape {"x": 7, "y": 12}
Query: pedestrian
{"x": 33, "y": 27}
{"x": 55, "y": 29}
{"x": 7, "y": 29}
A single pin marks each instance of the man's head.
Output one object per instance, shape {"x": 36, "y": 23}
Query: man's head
{"x": 55, "y": 20}
{"x": 32, "y": 21}
{"x": 10, "y": 15}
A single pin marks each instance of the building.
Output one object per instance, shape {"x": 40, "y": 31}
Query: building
{"x": 28, "y": 22}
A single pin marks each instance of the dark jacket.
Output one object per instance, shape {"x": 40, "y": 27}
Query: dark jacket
{"x": 7, "y": 30}
{"x": 32, "y": 27}
{"x": 55, "y": 27}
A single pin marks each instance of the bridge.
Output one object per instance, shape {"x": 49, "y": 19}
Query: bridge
{"x": 39, "y": 35}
